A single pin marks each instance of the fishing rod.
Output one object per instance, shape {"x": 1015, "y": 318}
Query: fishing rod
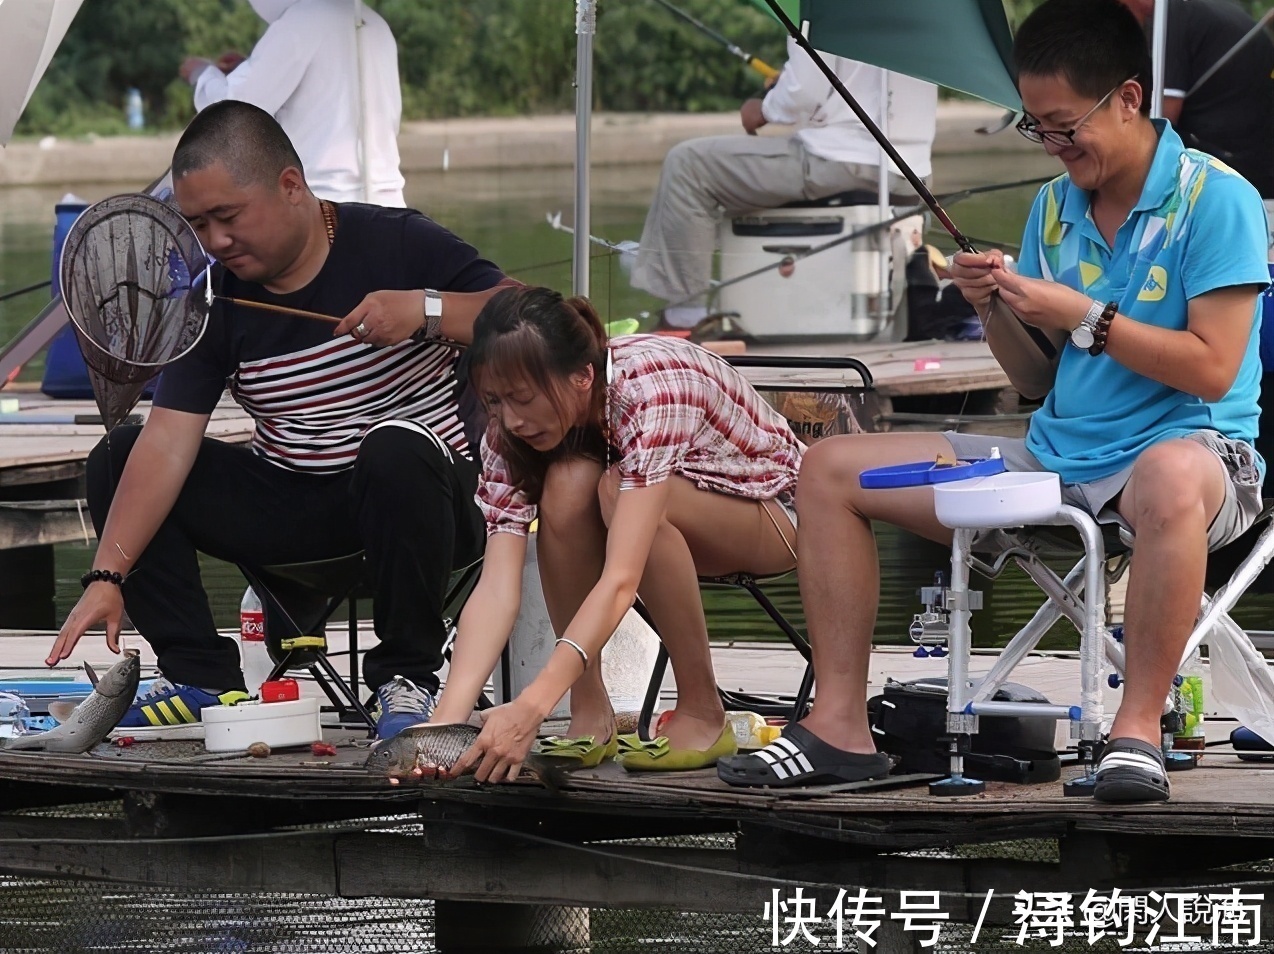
{"x": 23, "y": 291}
{"x": 769, "y": 72}
{"x": 1038, "y": 337}
{"x": 861, "y": 233}
{"x": 917, "y": 183}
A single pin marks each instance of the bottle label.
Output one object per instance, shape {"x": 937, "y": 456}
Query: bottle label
{"x": 252, "y": 626}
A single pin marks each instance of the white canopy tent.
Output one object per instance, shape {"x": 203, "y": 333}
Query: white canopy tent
{"x": 30, "y": 31}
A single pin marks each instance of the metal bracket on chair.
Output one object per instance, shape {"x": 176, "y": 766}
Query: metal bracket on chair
{"x": 931, "y": 627}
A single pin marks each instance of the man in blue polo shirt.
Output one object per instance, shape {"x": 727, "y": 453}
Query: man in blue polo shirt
{"x": 1140, "y": 272}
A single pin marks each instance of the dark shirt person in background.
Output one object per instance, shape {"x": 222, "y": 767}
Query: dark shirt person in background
{"x": 1231, "y": 114}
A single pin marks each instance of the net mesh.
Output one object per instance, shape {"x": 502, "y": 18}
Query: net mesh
{"x": 134, "y": 281}
{"x": 70, "y": 917}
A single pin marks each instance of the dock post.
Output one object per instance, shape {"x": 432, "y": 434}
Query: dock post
{"x": 469, "y": 927}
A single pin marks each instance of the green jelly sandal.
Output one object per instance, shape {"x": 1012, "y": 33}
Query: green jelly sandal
{"x": 658, "y": 756}
{"x": 583, "y": 751}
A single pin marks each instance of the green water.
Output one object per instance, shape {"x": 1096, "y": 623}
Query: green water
{"x": 503, "y": 214}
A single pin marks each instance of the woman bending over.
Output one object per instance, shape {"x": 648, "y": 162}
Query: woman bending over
{"x": 649, "y": 462}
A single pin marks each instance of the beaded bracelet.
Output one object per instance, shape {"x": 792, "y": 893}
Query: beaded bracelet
{"x": 105, "y": 576}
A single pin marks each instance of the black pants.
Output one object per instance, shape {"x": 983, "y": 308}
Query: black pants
{"x": 404, "y": 502}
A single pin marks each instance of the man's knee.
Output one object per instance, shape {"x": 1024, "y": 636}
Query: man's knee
{"x": 1173, "y": 481}
{"x": 829, "y": 472}
{"x": 104, "y": 466}
{"x": 405, "y": 457}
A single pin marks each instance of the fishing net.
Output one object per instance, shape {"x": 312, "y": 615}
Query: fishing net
{"x": 136, "y": 286}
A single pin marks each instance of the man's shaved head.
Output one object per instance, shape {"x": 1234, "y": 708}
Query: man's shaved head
{"x": 244, "y": 138}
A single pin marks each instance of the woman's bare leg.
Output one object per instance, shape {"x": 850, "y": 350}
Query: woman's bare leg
{"x": 710, "y": 534}
{"x": 571, "y": 548}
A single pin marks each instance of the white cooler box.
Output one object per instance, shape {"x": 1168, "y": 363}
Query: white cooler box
{"x": 836, "y": 293}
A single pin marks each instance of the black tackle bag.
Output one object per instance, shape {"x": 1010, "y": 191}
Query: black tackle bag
{"x": 909, "y": 720}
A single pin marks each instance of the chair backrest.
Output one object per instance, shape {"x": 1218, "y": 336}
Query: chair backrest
{"x": 299, "y": 598}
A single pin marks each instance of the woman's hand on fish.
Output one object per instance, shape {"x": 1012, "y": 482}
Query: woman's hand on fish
{"x": 102, "y": 601}
{"x": 385, "y": 317}
{"x": 508, "y": 733}
{"x": 1044, "y": 304}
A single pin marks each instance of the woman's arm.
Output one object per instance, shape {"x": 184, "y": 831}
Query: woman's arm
{"x": 484, "y": 628}
{"x": 510, "y": 730}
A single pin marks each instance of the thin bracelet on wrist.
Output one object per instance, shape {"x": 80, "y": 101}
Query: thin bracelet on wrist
{"x": 577, "y": 647}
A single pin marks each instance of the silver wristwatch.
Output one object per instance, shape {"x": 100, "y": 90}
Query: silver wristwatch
{"x": 1083, "y": 337}
{"x": 431, "y": 328}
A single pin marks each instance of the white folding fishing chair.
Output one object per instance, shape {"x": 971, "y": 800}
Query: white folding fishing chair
{"x": 1239, "y": 672}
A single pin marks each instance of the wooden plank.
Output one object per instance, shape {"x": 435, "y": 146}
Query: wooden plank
{"x": 43, "y": 522}
{"x": 455, "y": 863}
{"x": 300, "y": 862}
{"x": 39, "y": 443}
{"x": 960, "y": 366}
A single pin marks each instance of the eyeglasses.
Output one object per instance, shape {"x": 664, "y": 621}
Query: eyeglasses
{"x": 1029, "y": 126}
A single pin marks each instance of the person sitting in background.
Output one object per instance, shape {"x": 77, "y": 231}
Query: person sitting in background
{"x": 832, "y": 153}
{"x": 649, "y": 461}
{"x": 1140, "y": 268}
{"x": 358, "y": 446}
{"x": 1229, "y": 113}
{"x": 327, "y": 70}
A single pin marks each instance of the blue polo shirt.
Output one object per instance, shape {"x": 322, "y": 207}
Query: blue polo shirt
{"x": 1197, "y": 227}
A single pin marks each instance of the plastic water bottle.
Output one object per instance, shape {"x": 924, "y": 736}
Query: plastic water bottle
{"x": 253, "y": 654}
{"x": 1189, "y": 699}
{"x": 133, "y": 108}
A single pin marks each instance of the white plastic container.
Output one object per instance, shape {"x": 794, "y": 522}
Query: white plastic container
{"x": 277, "y": 724}
{"x": 1010, "y": 499}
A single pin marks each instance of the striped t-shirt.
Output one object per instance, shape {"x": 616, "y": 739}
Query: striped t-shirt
{"x": 313, "y": 396}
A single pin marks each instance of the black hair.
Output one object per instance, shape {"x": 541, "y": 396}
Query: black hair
{"x": 1093, "y": 44}
{"x": 244, "y": 138}
{"x": 539, "y": 336}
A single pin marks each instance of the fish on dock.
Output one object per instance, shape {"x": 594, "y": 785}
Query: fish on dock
{"x": 92, "y": 720}
{"x": 430, "y": 751}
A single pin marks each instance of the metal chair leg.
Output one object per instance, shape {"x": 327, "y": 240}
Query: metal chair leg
{"x": 339, "y": 684}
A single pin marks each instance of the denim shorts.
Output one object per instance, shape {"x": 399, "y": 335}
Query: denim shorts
{"x": 1242, "y": 502}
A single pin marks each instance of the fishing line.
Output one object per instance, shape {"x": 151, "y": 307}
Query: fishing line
{"x": 865, "y": 231}
{"x": 27, "y": 290}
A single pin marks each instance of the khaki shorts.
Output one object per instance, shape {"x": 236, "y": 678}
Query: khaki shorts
{"x": 1242, "y": 502}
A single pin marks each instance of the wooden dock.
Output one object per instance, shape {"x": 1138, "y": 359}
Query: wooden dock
{"x": 168, "y": 815}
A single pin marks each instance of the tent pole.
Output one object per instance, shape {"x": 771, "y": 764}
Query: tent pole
{"x": 884, "y": 304}
{"x": 1158, "y": 54}
{"x": 585, "y": 28}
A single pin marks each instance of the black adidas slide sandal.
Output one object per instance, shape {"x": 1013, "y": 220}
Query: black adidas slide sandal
{"x": 1131, "y": 770}
{"x": 798, "y": 757}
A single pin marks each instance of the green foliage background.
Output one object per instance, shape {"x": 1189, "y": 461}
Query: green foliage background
{"x": 456, "y": 57}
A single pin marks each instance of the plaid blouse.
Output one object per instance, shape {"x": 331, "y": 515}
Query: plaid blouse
{"x": 675, "y": 408}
